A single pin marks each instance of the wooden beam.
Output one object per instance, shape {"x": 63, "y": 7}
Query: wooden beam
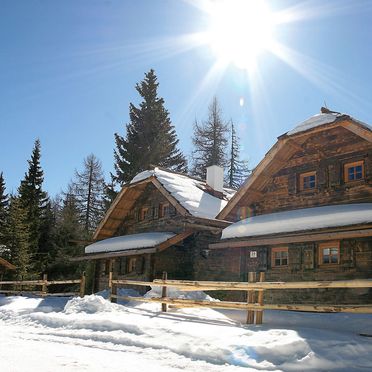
{"x": 362, "y": 309}
{"x": 7, "y": 264}
{"x": 294, "y": 145}
{"x": 108, "y": 213}
{"x": 169, "y": 197}
{"x": 192, "y": 285}
{"x": 358, "y": 130}
{"x": 244, "y": 286}
{"x": 97, "y": 256}
{"x": 197, "y": 227}
{"x": 174, "y": 240}
{"x": 115, "y": 204}
{"x": 252, "y": 242}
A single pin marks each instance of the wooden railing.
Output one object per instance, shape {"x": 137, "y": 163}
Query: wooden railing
{"x": 19, "y": 286}
{"x": 255, "y": 298}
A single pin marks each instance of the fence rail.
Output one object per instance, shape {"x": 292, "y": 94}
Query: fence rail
{"x": 255, "y": 290}
{"x": 44, "y": 284}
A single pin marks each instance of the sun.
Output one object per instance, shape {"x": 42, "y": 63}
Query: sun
{"x": 240, "y": 30}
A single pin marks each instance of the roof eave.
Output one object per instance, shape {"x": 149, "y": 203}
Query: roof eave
{"x": 325, "y": 234}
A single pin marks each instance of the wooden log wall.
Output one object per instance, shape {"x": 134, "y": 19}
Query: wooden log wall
{"x": 326, "y": 153}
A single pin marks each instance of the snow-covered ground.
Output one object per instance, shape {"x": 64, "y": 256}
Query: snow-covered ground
{"x": 92, "y": 334}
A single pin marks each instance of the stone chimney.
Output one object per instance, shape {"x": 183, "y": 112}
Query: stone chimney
{"x": 215, "y": 180}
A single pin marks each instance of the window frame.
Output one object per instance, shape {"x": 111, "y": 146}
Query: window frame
{"x": 302, "y": 179}
{"x": 122, "y": 269}
{"x": 329, "y": 245}
{"x": 353, "y": 164}
{"x": 144, "y": 213}
{"x": 276, "y": 250}
{"x": 162, "y": 208}
{"x": 131, "y": 264}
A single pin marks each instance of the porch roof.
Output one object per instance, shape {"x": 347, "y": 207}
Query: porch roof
{"x": 130, "y": 245}
{"x": 301, "y": 220}
{"x": 127, "y": 242}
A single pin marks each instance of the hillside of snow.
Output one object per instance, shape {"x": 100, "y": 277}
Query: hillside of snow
{"x": 92, "y": 334}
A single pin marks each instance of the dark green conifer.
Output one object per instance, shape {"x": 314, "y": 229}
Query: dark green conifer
{"x": 150, "y": 136}
{"x": 32, "y": 196}
{"x": 18, "y": 239}
{"x": 4, "y": 202}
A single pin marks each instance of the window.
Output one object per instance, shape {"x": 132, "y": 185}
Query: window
{"x": 307, "y": 181}
{"x": 144, "y": 213}
{"x": 132, "y": 264}
{"x": 329, "y": 253}
{"x": 163, "y": 210}
{"x": 122, "y": 266}
{"x": 354, "y": 171}
{"x": 279, "y": 256}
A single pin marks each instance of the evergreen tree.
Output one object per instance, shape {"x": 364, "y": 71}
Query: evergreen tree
{"x": 18, "y": 239}
{"x": 67, "y": 232}
{"x": 46, "y": 246}
{"x": 88, "y": 189}
{"x": 4, "y": 201}
{"x": 150, "y": 136}
{"x": 210, "y": 141}
{"x": 237, "y": 169}
{"x": 32, "y": 196}
{"x": 109, "y": 193}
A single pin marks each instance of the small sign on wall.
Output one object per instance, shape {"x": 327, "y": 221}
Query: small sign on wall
{"x": 253, "y": 254}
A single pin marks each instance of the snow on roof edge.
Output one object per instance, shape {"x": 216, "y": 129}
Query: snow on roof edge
{"x": 129, "y": 242}
{"x": 300, "y": 220}
{"x": 323, "y": 119}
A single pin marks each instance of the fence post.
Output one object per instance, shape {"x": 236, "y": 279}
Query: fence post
{"x": 251, "y": 298}
{"x": 44, "y": 288}
{"x": 114, "y": 287}
{"x": 164, "y": 292}
{"x": 110, "y": 280}
{"x": 260, "y": 300}
{"x": 82, "y": 284}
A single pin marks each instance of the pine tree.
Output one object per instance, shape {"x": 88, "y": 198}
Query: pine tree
{"x": 210, "y": 141}
{"x": 34, "y": 201}
{"x": 46, "y": 245}
{"x": 109, "y": 193}
{"x": 237, "y": 169}
{"x": 68, "y": 231}
{"x": 88, "y": 189}
{"x": 4, "y": 202}
{"x": 18, "y": 239}
{"x": 150, "y": 136}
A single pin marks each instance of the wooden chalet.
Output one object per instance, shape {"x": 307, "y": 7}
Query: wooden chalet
{"x": 160, "y": 221}
{"x": 305, "y": 213}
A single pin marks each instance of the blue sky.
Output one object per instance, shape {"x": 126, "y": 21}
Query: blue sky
{"x": 68, "y": 71}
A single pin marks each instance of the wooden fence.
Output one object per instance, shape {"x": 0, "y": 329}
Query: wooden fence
{"x": 255, "y": 294}
{"x": 18, "y": 286}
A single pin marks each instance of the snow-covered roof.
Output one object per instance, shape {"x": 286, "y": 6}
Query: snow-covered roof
{"x": 321, "y": 119}
{"x": 301, "y": 220}
{"x": 128, "y": 242}
{"x": 189, "y": 192}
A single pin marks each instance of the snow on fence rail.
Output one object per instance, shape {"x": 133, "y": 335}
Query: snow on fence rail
{"x": 254, "y": 305}
{"x": 44, "y": 284}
